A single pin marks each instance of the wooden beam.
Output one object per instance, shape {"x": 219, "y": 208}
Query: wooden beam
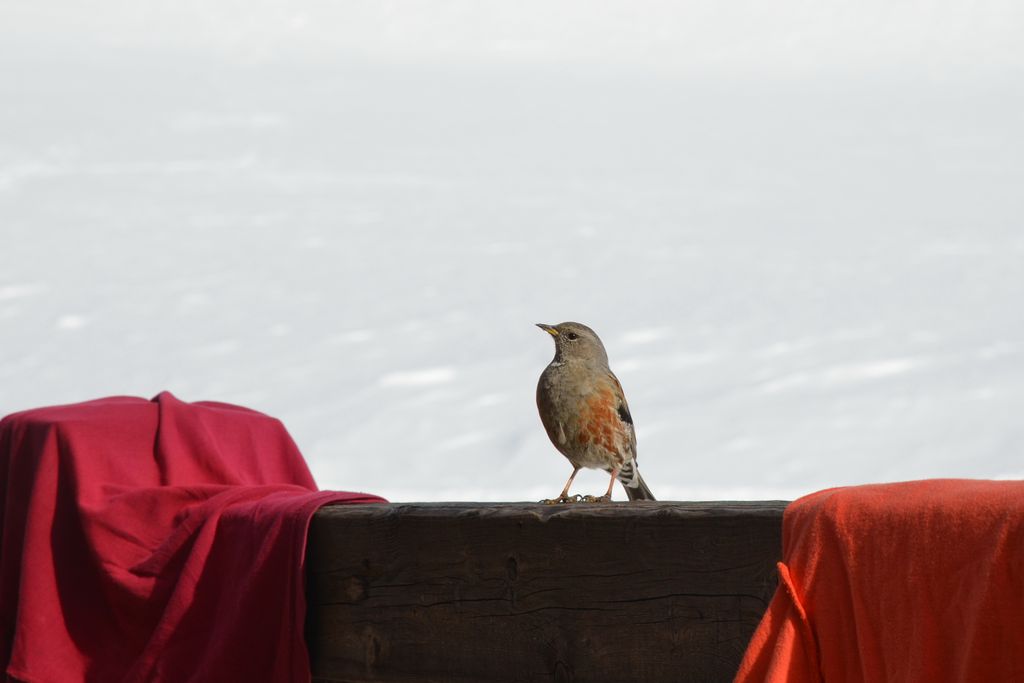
{"x": 478, "y": 592}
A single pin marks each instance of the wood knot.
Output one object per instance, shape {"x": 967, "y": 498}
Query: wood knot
{"x": 512, "y": 568}
{"x": 355, "y": 589}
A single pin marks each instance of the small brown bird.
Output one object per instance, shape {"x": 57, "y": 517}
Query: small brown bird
{"x": 585, "y": 413}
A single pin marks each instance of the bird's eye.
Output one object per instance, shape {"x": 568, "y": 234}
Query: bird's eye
{"x": 572, "y": 336}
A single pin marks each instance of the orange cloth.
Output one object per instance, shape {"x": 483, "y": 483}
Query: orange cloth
{"x": 917, "y": 582}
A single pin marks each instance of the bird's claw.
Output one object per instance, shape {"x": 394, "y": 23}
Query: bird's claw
{"x": 597, "y": 499}
{"x": 575, "y": 498}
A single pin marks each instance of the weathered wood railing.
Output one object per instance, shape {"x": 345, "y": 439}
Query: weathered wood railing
{"x": 478, "y": 592}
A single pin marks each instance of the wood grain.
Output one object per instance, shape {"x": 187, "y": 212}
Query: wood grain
{"x": 477, "y": 592}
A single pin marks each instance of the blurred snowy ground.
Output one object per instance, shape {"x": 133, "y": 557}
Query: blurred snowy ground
{"x": 807, "y": 268}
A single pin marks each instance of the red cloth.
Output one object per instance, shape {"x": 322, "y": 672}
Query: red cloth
{"x": 153, "y": 541}
{"x": 913, "y": 582}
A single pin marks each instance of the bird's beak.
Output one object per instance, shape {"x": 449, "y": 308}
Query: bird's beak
{"x": 549, "y": 329}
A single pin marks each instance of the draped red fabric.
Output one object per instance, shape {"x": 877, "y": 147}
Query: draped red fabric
{"x": 915, "y": 582}
{"x": 153, "y": 541}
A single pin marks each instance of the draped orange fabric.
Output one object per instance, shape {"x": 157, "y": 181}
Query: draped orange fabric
{"x": 910, "y": 582}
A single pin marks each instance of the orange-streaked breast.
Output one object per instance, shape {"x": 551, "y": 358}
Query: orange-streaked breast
{"x": 600, "y": 424}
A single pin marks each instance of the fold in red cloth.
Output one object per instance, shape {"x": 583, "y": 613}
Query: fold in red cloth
{"x": 912, "y": 582}
{"x": 153, "y": 541}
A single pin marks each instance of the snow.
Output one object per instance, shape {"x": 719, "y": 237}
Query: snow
{"x": 803, "y": 255}
{"x": 418, "y": 378}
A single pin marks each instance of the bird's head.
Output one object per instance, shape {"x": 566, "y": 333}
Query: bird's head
{"x": 576, "y": 341}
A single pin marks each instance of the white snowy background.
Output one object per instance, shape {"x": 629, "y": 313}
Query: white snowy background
{"x": 797, "y": 226}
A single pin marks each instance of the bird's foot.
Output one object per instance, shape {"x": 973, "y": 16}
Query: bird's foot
{"x": 575, "y": 498}
{"x": 597, "y": 499}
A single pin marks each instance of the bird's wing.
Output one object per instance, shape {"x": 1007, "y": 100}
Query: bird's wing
{"x": 622, "y": 408}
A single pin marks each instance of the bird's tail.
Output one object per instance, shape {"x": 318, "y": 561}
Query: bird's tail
{"x": 636, "y": 489}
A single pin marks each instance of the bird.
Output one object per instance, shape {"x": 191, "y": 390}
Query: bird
{"x": 584, "y": 411}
